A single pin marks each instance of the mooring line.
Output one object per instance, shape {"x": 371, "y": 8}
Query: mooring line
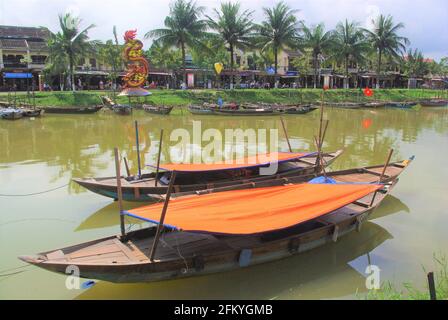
{"x": 35, "y": 193}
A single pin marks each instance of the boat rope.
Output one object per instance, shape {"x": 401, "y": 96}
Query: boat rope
{"x": 176, "y": 250}
{"x": 34, "y": 193}
{"x": 3, "y": 274}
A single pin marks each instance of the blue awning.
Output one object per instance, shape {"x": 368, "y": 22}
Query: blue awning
{"x": 19, "y": 75}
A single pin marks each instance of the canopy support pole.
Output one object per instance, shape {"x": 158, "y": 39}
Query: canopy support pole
{"x": 137, "y": 143}
{"x": 320, "y": 128}
{"x": 119, "y": 192}
{"x": 158, "y": 157}
{"x": 162, "y": 217}
{"x": 286, "y": 134}
{"x": 382, "y": 174}
{"x": 128, "y": 172}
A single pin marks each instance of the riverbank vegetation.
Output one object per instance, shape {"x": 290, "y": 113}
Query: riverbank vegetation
{"x": 410, "y": 292}
{"x": 188, "y": 97}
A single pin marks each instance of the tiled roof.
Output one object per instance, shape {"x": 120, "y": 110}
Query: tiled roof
{"x": 23, "y": 32}
{"x": 12, "y": 43}
{"x": 37, "y": 45}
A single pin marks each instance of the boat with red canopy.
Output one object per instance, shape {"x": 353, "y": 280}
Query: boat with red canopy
{"x": 216, "y": 232}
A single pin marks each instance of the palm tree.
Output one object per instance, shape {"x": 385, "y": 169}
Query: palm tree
{"x": 71, "y": 42}
{"x": 183, "y": 28}
{"x": 319, "y": 41}
{"x": 385, "y": 40}
{"x": 279, "y": 30}
{"x": 234, "y": 27}
{"x": 350, "y": 44}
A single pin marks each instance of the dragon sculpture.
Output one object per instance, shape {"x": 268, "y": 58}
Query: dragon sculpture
{"x": 138, "y": 68}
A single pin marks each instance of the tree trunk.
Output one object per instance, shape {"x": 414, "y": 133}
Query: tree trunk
{"x": 231, "y": 66}
{"x": 184, "y": 67}
{"x": 315, "y": 71}
{"x": 378, "y": 71}
{"x": 275, "y": 65}
{"x": 72, "y": 74}
{"x": 347, "y": 86}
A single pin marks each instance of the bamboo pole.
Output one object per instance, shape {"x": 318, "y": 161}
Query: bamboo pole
{"x": 320, "y": 158}
{"x": 127, "y": 167}
{"x": 162, "y": 217}
{"x": 137, "y": 143}
{"x": 286, "y": 134}
{"x": 158, "y": 157}
{"x": 382, "y": 173}
{"x": 119, "y": 192}
{"x": 320, "y": 127}
{"x": 432, "y": 286}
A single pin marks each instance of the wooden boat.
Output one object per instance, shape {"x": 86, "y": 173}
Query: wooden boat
{"x": 72, "y": 110}
{"x": 164, "y": 110}
{"x": 345, "y": 105}
{"x": 145, "y": 189}
{"x": 433, "y": 103}
{"x": 123, "y": 110}
{"x": 401, "y": 105}
{"x": 300, "y": 109}
{"x": 245, "y": 112}
{"x": 32, "y": 112}
{"x": 198, "y": 244}
{"x": 11, "y": 114}
{"x": 201, "y": 110}
{"x": 376, "y": 104}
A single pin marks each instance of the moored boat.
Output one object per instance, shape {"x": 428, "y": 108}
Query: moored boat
{"x": 401, "y": 105}
{"x": 204, "y": 177}
{"x": 164, "y": 110}
{"x": 212, "y": 233}
{"x": 245, "y": 112}
{"x": 375, "y": 104}
{"x": 201, "y": 110}
{"x": 299, "y": 109}
{"x": 433, "y": 103}
{"x": 11, "y": 114}
{"x": 345, "y": 105}
{"x": 72, "y": 110}
{"x": 123, "y": 110}
{"x": 32, "y": 112}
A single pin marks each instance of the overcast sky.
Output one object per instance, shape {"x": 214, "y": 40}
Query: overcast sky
{"x": 426, "y": 21}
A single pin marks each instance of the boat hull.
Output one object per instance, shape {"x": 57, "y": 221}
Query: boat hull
{"x": 140, "y": 193}
{"x": 222, "y": 255}
{"x": 158, "y": 110}
{"x": 72, "y": 110}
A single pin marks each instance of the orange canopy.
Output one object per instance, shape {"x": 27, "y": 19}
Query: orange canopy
{"x": 253, "y": 161}
{"x": 254, "y": 210}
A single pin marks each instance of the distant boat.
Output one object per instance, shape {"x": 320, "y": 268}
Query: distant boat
{"x": 72, "y": 110}
{"x": 32, "y": 112}
{"x": 245, "y": 112}
{"x": 401, "y": 105}
{"x": 11, "y": 114}
{"x": 376, "y": 104}
{"x": 201, "y": 110}
{"x": 433, "y": 103}
{"x": 299, "y": 109}
{"x": 164, "y": 110}
{"x": 123, "y": 110}
{"x": 346, "y": 105}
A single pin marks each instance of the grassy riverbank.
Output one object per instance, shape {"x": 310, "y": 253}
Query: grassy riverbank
{"x": 389, "y": 292}
{"x": 187, "y": 97}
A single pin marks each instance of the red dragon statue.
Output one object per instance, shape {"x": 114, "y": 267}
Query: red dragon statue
{"x": 138, "y": 67}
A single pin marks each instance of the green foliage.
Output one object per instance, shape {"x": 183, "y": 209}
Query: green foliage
{"x": 389, "y": 292}
{"x": 279, "y": 30}
{"x": 70, "y": 44}
{"x": 350, "y": 44}
{"x": 319, "y": 42}
{"x": 183, "y": 28}
{"x": 163, "y": 57}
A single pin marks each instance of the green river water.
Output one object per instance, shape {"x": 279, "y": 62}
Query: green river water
{"x": 400, "y": 238}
